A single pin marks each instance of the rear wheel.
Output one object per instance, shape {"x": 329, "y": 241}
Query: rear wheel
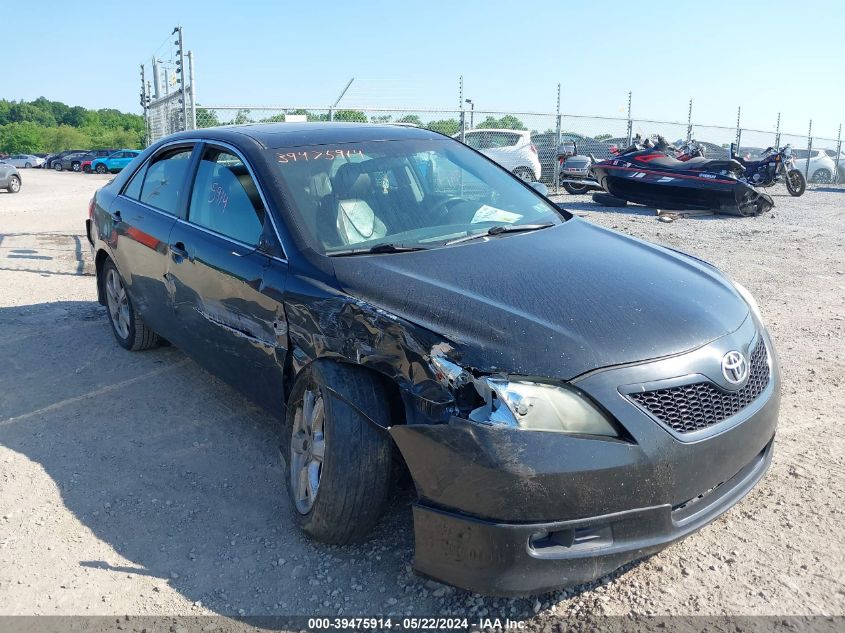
{"x": 14, "y": 184}
{"x": 128, "y": 327}
{"x": 822, "y": 176}
{"x": 57, "y": 166}
{"x": 74, "y": 166}
{"x": 101, "y": 169}
{"x": 27, "y": 165}
{"x": 339, "y": 463}
{"x": 796, "y": 184}
{"x": 524, "y": 173}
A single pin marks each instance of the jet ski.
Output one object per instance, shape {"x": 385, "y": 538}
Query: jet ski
{"x": 646, "y": 175}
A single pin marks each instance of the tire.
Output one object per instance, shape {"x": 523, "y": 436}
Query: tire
{"x": 87, "y": 169}
{"x": 353, "y": 475}
{"x": 27, "y": 166}
{"x": 127, "y": 326}
{"x": 75, "y": 166}
{"x": 575, "y": 190}
{"x": 524, "y": 173}
{"x": 606, "y": 200}
{"x": 57, "y": 166}
{"x": 796, "y": 184}
{"x": 14, "y": 184}
{"x": 822, "y": 176}
{"x": 100, "y": 168}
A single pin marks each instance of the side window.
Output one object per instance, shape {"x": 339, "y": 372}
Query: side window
{"x": 225, "y": 198}
{"x": 164, "y": 179}
{"x": 133, "y": 189}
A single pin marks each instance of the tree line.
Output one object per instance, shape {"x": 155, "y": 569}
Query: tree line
{"x": 30, "y": 127}
{"x": 451, "y": 126}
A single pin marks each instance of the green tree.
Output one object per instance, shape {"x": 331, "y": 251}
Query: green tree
{"x": 507, "y": 122}
{"x": 350, "y": 116}
{"x": 22, "y": 138}
{"x": 411, "y": 119}
{"x": 207, "y": 118}
{"x": 603, "y": 137}
{"x": 450, "y": 127}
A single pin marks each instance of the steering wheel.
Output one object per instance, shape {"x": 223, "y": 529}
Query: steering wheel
{"x": 441, "y": 209}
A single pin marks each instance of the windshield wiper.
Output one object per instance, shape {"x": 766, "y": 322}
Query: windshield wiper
{"x": 378, "y": 248}
{"x": 499, "y": 229}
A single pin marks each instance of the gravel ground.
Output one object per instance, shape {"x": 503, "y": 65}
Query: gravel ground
{"x": 138, "y": 484}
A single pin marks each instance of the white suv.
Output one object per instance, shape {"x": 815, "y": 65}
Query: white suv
{"x": 512, "y": 149}
{"x": 822, "y": 168}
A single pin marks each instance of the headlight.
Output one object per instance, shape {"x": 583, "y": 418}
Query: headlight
{"x": 539, "y": 407}
{"x": 749, "y": 299}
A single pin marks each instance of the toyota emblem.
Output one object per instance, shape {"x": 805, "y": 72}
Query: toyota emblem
{"x": 734, "y": 367}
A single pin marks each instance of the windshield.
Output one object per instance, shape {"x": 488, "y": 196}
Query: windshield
{"x": 409, "y": 193}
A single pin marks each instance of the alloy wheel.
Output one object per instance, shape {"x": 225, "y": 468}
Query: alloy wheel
{"x": 118, "y": 303}
{"x": 14, "y": 184}
{"x": 308, "y": 447}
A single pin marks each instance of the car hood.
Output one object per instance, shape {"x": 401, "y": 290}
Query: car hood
{"x": 555, "y": 302}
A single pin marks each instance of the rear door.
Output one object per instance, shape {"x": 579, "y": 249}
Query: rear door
{"x": 142, "y": 217}
{"x": 227, "y": 278}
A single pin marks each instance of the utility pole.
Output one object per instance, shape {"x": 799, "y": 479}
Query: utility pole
{"x": 777, "y": 133}
{"x": 738, "y": 129}
{"x": 557, "y": 142}
{"x": 689, "y": 122}
{"x": 144, "y": 107}
{"x": 192, "y": 90}
{"x": 461, "y": 104}
{"x": 809, "y": 150}
{"x": 838, "y": 154}
{"x": 342, "y": 92}
{"x": 630, "y": 121}
{"x": 181, "y": 76}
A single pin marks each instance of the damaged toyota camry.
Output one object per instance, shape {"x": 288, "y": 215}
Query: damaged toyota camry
{"x": 566, "y": 399}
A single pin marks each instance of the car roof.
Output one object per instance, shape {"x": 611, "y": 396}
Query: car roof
{"x": 275, "y": 135}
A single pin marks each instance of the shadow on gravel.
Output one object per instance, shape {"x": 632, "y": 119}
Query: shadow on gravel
{"x": 182, "y": 477}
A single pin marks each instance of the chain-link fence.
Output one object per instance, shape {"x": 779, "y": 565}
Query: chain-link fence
{"x": 541, "y": 134}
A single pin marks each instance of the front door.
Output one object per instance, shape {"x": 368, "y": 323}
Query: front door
{"x": 225, "y": 286}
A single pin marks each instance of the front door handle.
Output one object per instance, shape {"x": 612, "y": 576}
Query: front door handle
{"x": 178, "y": 251}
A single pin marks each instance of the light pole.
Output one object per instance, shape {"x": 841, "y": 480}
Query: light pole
{"x": 471, "y": 113}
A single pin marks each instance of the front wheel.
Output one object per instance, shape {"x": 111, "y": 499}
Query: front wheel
{"x": 796, "y": 184}
{"x": 338, "y": 461}
{"x": 27, "y": 165}
{"x": 101, "y": 169}
{"x": 575, "y": 190}
{"x": 128, "y": 327}
{"x": 14, "y": 184}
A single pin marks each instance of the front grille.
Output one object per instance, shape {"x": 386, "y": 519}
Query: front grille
{"x": 699, "y": 405}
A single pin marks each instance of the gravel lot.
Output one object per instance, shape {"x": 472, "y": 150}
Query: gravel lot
{"x": 138, "y": 484}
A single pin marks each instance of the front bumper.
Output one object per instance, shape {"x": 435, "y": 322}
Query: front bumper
{"x": 489, "y": 494}
{"x": 509, "y": 559}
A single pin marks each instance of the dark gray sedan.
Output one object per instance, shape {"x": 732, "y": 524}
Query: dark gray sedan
{"x": 566, "y": 398}
{"x": 10, "y": 178}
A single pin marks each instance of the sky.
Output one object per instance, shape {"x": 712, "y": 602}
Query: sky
{"x": 763, "y": 56}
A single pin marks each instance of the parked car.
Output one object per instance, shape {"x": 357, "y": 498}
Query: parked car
{"x": 10, "y": 178}
{"x": 87, "y": 159}
{"x": 71, "y": 162}
{"x": 548, "y": 151}
{"x": 587, "y": 145}
{"x": 821, "y": 167}
{"x": 48, "y": 162}
{"x": 840, "y": 165}
{"x": 24, "y": 161}
{"x": 566, "y": 398}
{"x": 512, "y": 149}
{"x": 114, "y": 162}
